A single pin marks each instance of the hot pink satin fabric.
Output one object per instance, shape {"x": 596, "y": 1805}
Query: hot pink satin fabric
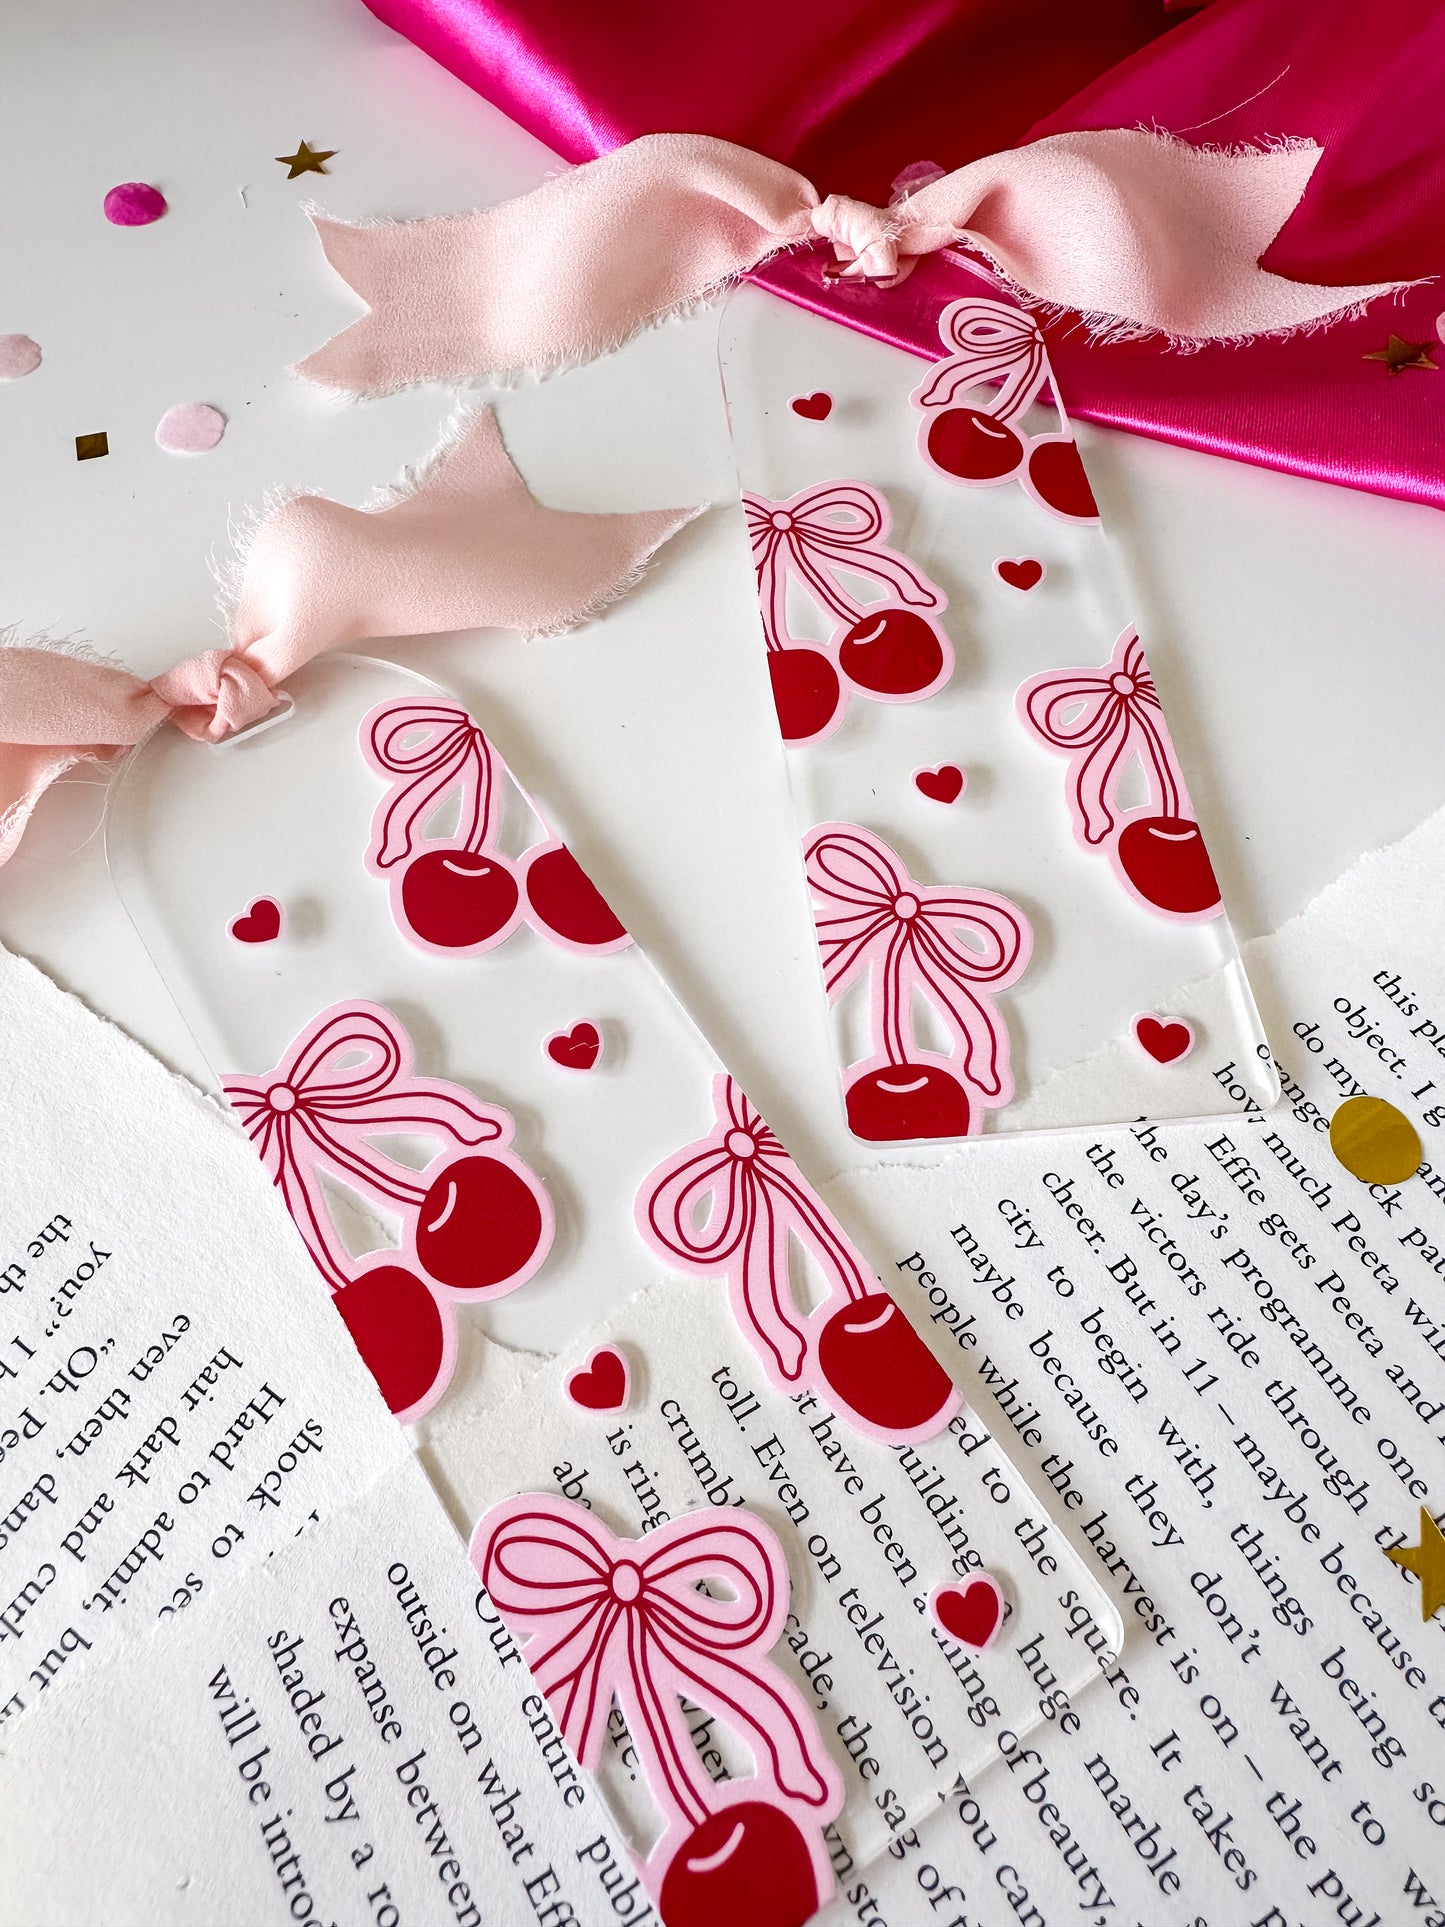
{"x": 852, "y": 92}
{"x": 468, "y": 548}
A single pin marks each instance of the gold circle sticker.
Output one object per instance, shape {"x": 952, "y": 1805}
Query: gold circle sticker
{"x": 1375, "y": 1142}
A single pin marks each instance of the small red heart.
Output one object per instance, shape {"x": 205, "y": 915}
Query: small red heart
{"x": 261, "y": 923}
{"x": 944, "y": 784}
{"x": 603, "y": 1384}
{"x": 971, "y": 1614}
{"x": 1166, "y": 1043}
{"x": 577, "y": 1049}
{"x": 1019, "y": 571}
{"x": 813, "y": 408}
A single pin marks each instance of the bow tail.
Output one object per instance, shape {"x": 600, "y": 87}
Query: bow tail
{"x": 761, "y": 1289}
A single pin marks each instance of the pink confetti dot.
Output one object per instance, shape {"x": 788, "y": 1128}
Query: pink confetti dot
{"x": 19, "y": 355}
{"x": 190, "y": 428}
{"x": 134, "y": 204}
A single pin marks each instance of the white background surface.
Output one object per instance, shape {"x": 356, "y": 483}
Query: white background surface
{"x": 1296, "y": 630}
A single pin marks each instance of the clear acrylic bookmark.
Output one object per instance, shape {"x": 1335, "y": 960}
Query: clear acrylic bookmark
{"x": 494, "y": 1127}
{"x": 1018, "y": 922}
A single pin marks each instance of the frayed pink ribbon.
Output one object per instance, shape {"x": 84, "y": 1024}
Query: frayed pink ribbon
{"x": 609, "y": 1618}
{"x": 317, "y": 1112}
{"x": 468, "y": 548}
{"x": 840, "y": 525}
{"x": 1131, "y": 228}
{"x": 751, "y": 1198}
{"x": 874, "y": 917}
{"x": 1100, "y": 718}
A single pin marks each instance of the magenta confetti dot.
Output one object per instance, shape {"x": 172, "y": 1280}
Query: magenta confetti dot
{"x": 19, "y": 355}
{"x": 134, "y": 204}
{"x": 190, "y": 428}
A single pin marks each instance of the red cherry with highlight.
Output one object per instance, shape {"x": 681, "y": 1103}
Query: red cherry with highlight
{"x": 396, "y": 1324}
{"x": 900, "y": 1102}
{"x": 880, "y": 1368}
{"x": 972, "y": 445}
{"x": 1056, "y": 476}
{"x": 891, "y": 652}
{"x": 458, "y": 898}
{"x": 806, "y": 692}
{"x": 1165, "y": 859}
{"x": 479, "y": 1225}
{"x": 747, "y": 1863}
{"x": 566, "y": 899}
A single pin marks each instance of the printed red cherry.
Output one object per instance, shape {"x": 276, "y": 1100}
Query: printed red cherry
{"x": 891, "y": 652}
{"x": 456, "y": 898}
{"x": 905, "y": 1101}
{"x": 970, "y": 444}
{"x": 1165, "y": 859}
{"x": 806, "y": 692}
{"x": 396, "y": 1324}
{"x": 479, "y": 1225}
{"x": 880, "y": 1368}
{"x": 1057, "y": 478}
{"x": 749, "y": 1864}
{"x": 566, "y": 899}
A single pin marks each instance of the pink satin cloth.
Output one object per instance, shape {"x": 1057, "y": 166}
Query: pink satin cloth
{"x": 852, "y": 93}
{"x": 468, "y": 548}
{"x": 1138, "y": 232}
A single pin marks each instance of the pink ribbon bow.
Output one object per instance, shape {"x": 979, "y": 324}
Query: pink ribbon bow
{"x": 840, "y": 525}
{"x": 347, "y": 1079}
{"x": 907, "y": 935}
{"x": 467, "y": 548}
{"x": 1135, "y": 230}
{"x": 609, "y": 1618}
{"x": 751, "y": 1198}
{"x": 992, "y": 343}
{"x": 1100, "y": 718}
{"x": 451, "y": 753}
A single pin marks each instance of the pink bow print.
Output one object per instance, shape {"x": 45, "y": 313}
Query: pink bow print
{"x": 755, "y": 1198}
{"x": 1100, "y": 718}
{"x": 992, "y": 343}
{"x": 346, "y": 1079}
{"x": 607, "y": 1618}
{"x": 840, "y": 525}
{"x": 873, "y": 917}
{"x": 447, "y": 752}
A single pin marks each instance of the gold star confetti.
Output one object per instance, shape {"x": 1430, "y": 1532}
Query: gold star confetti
{"x": 87, "y": 447}
{"x": 307, "y": 160}
{"x": 1404, "y": 354}
{"x": 1427, "y": 1562}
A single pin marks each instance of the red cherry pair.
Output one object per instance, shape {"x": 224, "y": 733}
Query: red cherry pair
{"x": 972, "y": 446}
{"x": 889, "y": 654}
{"x": 453, "y": 898}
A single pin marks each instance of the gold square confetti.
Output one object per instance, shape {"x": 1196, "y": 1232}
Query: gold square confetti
{"x": 87, "y": 447}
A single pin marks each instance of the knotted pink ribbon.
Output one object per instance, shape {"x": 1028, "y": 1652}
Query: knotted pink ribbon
{"x": 1131, "y": 228}
{"x": 840, "y": 525}
{"x": 730, "y": 1202}
{"x": 467, "y": 548}
{"x": 607, "y": 1618}
{"x": 317, "y": 1111}
{"x": 1100, "y": 718}
{"x": 906, "y": 935}
{"x": 452, "y": 753}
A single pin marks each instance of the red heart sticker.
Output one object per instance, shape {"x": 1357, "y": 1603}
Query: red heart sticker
{"x": 261, "y": 923}
{"x": 603, "y": 1384}
{"x": 1165, "y": 1042}
{"x": 813, "y": 408}
{"x": 971, "y": 1614}
{"x": 1019, "y": 571}
{"x": 944, "y": 784}
{"x": 577, "y": 1049}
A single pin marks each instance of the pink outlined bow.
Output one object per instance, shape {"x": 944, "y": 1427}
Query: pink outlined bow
{"x": 607, "y": 1618}
{"x": 906, "y": 936}
{"x": 836, "y": 526}
{"x": 347, "y": 1079}
{"x": 755, "y": 1198}
{"x": 993, "y": 342}
{"x": 453, "y": 753}
{"x": 1100, "y": 718}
